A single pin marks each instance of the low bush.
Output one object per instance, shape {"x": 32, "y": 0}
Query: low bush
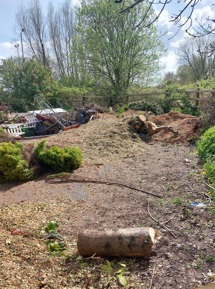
{"x": 206, "y": 151}
{"x": 209, "y": 169}
{"x": 13, "y": 166}
{"x": 58, "y": 159}
{"x": 206, "y": 144}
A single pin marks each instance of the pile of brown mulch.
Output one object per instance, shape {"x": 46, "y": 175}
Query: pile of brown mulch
{"x": 110, "y": 137}
{"x": 185, "y": 128}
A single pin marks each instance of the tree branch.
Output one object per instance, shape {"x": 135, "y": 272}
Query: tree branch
{"x": 74, "y": 180}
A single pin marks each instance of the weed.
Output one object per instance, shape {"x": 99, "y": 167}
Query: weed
{"x": 115, "y": 272}
{"x": 177, "y": 201}
{"x": 51, "y": 227}
{"x": 54, "y": 242}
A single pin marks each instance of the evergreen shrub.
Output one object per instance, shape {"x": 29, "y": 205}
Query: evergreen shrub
{"x": 58, "y": 159}
{"x": 13, "y": 166}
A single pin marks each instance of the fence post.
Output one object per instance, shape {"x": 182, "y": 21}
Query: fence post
{"x": 197, "y": 97}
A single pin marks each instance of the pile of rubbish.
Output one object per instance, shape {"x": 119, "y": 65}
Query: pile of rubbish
{"x": 46, "y": 121}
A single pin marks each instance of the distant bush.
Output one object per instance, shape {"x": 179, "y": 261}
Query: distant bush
{"x": 13, "y": 166}
{"x": 146, "y": 106}
{"x": 58, "y": 159}
{"x": 206, "y": 144}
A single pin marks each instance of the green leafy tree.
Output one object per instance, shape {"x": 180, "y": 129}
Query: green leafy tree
{"x": 120, "y": 50}
{"x": 22, "y": 81}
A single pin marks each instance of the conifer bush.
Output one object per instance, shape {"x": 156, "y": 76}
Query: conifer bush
{"x": 58, "y": 159}
{"x": 13, "y": 166}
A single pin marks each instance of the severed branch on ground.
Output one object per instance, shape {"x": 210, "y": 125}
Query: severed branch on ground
{"x": 62, "y": 179}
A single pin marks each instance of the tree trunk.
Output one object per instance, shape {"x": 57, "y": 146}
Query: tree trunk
{"x": 122, "y": 242}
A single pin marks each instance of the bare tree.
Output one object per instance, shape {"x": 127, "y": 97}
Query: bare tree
{"x": 61, "y": 32}
{"x": 194, "y": 54}
{"x": 31, "y": 22}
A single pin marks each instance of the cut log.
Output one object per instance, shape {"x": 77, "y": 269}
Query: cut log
{"x": 122, "y": 242}
{"x": 141, "y": 118}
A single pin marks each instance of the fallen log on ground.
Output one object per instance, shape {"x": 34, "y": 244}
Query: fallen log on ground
{"x": 122, "y": 242}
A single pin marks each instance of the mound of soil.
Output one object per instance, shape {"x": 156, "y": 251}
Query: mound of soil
{"x": 185, "y": 128}
{"x": 103, "y": 139}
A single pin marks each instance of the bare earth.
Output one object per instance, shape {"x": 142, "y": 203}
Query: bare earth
{"x": 113, "y": 153}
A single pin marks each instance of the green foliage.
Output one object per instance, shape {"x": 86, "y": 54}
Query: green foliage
{"x": 146, "y": 106}
{"x": 12, "y": 163}
{"x": 64, "y": 96}
{"x": 51, "y": 227}
{"x": 55, "y": 243}
{"x": 206, "y": 151}
{"x": 206, "y": 144}
{"x": 56, "y": 248}
{"x": 59, "y": 159}
{"x": 177, "y": 201}
{"x": 188, "y": 107}
{"x": 28, "y": 132}
{"x": 124, "y": 54}
{"x": 2, "y": 131}
{"x": 23, "y": 81}
{"x": 209, "y": 169}
{"x": 116, "y": 272}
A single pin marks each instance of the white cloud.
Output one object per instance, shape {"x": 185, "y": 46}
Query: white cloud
{"x": 169, "y": 62}
{"x": 177, "y": 43}
{"x": 203, "y": 13}
{"x": 8, "y": 49}
{"x": 164, "y": 19}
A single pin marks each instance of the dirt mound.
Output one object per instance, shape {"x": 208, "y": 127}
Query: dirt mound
{"x": 102, "y": 139}
{"x": 8, "y": 138}
{"x": 185, "y": 128}
{"x": 109, "y": 137}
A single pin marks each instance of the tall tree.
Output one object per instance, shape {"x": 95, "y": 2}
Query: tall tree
{"x": 61, "y": 29}
{"x": 119, "y": 52}
{"x": 31, "y": 22}
{"x": 194, "y": 53}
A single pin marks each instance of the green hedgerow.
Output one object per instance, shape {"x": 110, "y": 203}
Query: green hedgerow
{"x": 206, "y": 144}
{"x": 12, "y": 163}
{"x": 58, "y": 159}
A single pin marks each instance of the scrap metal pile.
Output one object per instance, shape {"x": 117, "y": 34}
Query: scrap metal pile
{"x": 46, "y": 121}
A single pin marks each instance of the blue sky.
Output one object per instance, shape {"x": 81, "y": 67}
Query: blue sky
{"x": 8, "y": 9}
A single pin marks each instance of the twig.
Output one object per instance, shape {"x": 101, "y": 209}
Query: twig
{"x": 161, "y": 224}
{"x": 211, "y": 187}
{"x": 164, "y": 223}
{"x": 153, "y": 273}
{"x": 102, "y": 182}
